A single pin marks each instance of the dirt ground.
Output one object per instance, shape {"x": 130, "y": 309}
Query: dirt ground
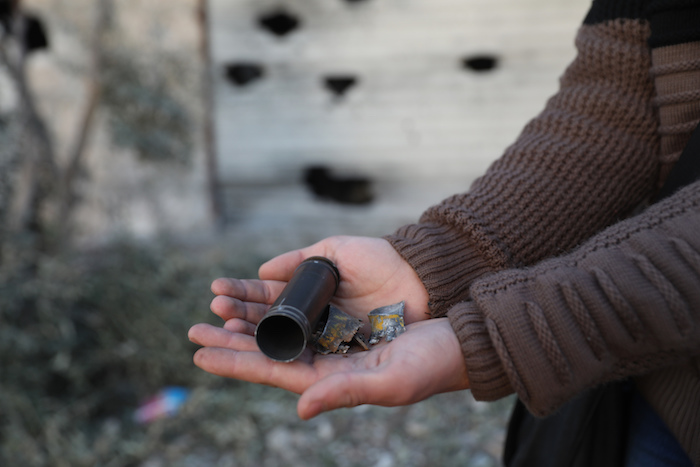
{"x": 92, "y": 336}
{"x": 233, "y": 423}
{"x": 243, "y": 425}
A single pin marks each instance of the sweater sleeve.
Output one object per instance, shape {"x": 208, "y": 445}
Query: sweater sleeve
{"x": 582, "y": 164}
{"x": 625, "y": 303}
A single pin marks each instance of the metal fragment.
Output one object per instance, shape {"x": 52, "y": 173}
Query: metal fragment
{"x": 360, "y": 341}
{"x": 339, "y": 331}
{"x": 387, "y": 322}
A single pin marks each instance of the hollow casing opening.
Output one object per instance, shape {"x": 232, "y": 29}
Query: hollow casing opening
{"x": 281, "y": 337}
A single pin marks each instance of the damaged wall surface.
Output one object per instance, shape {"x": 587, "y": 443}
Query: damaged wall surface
{"x": 331, "y": 116}
{"x": 380, "y": 108}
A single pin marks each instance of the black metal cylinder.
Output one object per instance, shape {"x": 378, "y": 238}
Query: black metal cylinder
{"x": 283, "y": 332}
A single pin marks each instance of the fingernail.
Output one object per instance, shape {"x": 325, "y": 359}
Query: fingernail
{"x": 313, "y": 409}
{"x": 191, "y": 338}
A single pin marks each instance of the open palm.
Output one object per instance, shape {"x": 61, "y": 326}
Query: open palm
{"x": 424, "y": 361}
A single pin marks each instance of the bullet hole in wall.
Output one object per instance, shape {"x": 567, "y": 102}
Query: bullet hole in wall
{"x": 480, "y": 63}
{"x": 279, "y": 22}
{"x": 345, "y": 190}
{"x": 244, "y": 73}
{"x": 34, "y": 36}
{"x": 339, "y": 85}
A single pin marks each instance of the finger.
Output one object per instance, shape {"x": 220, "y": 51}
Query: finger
{"x": 228, "y": 308}
{"x": 212, "y": 336}
{"x": 248, "y": 290}
{"x": 341, "y": 390}
{"x": 281, "y": 268}
{"x": 240, "y": 326}
{"x": 255, "y": 368}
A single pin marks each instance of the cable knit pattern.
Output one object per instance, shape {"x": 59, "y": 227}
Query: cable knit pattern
{"x": 617, "y": 300}
{"x": 676, "y": 305}
{"x": 626, "y": 302}
{"x": 584, "y": 320}
{"x": 549, "y": 343}
{"x": 593, "y": 151}
{"x": 641, "y": 251}
{"x": 549, "y": 291}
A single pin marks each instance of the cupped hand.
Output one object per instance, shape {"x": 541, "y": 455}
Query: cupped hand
{"x": 372, "y": 274}
{"x": 424, "y": 361}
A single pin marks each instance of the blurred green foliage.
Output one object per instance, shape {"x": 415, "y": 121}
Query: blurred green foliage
{"x": 85, "y": 337}
{"x": 145, "y": 113}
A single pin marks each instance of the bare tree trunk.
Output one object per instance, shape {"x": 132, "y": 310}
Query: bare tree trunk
{"x": 78, "y": 151}
{"x": 43, "y": 194}
{"x": 32, "y": 185}
{"x": 39, "y": 170}
{"x": 215, "y": 195}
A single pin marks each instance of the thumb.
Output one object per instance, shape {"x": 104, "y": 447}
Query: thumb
{"x": 341, "y": 390}
{"x": 334, "y": 392}
{"x": 281, "y": 268}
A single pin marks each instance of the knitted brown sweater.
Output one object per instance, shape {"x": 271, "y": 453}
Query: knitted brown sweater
{"x": 549, "y": 290}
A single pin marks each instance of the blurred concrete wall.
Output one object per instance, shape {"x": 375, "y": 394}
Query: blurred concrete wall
{"x": 416, "y": 97}
{"x": 435, "y": 90}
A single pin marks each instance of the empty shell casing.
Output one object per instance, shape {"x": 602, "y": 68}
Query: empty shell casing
{"x": 284, "y": 331}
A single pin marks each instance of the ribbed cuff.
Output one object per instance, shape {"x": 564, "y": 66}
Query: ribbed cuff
{"x": 487, "y": 378}
{"x": 445, "y": 259}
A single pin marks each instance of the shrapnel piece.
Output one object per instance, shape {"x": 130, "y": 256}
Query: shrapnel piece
{"x": 387, "y": 322}
{"x": 360, "y": 341}
{"x": 340, "y": 329}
